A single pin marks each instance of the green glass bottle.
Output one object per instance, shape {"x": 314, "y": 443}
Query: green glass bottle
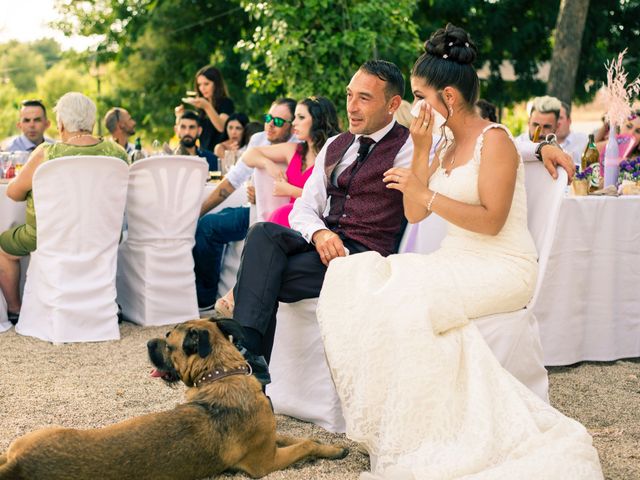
{"x": 590, "y": 154}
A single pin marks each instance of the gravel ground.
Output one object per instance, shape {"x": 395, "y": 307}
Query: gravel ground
{"x": 94, "y": 384}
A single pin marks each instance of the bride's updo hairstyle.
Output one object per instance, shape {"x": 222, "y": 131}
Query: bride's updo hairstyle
{"x": 447, "y": 62}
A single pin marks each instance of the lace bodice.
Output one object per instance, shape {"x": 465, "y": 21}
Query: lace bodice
{"x": 514, "y": 238}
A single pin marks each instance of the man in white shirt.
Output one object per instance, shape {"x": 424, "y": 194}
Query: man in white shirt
{"x": 573, "y": 143}
{"x": 215, "y": 230}
{"x": 32, "y": 123}
{"x": 545, "y": 113}
{"x": 344, "y": 208}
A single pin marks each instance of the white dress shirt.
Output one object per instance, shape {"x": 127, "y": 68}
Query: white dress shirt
{"x": 310, "y": 209}
{"x": 240, "y": 172}
{"x": 526, "y": 148}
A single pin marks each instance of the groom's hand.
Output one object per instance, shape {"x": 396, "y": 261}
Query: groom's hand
{"x": 328, "y": 245}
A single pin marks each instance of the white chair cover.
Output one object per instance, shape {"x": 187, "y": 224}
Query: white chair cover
{"x": 302, "y": 386}
{"x": 69, "y": 294}
{"x": 156, "y": 281}
{"x": 266, "y": 202}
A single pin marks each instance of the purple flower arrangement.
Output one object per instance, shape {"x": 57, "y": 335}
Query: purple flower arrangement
{"x": 629, "y": 170}
{"x": 586, "y": 174}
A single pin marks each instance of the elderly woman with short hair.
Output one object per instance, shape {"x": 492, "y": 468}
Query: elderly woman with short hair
{"x": 76, "y": 117}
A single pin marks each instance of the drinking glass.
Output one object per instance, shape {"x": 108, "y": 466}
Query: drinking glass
{"x": 7, "y": 162}
{"x": 20, "y": 158}
{"x": 228, "y": 161}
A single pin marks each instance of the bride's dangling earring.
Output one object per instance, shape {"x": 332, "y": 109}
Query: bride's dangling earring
{"x": 450, "y": 111}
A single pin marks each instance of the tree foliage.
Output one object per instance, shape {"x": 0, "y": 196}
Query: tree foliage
{"x": 158, "y": 46}
{"x": 313, "y": 47}
{"x": 149, "y": 50}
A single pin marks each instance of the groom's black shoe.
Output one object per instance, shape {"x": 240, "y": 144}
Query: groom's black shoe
{"x": 257, "y": 363}
{"x": 242, "y": 336}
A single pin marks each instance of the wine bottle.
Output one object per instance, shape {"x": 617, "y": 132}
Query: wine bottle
{"x": 590, "y": 154}
{"x": 137, "y": 151}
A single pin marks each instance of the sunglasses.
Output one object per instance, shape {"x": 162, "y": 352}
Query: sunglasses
{"x": 277, "y": 121}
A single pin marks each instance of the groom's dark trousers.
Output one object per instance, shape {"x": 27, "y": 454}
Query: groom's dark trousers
{"x": 278, "y": 265}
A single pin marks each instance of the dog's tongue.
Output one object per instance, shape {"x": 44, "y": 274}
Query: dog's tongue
{"x": 156, "y": 373}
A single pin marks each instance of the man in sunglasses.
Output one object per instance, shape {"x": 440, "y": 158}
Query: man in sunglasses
{"x": 32, "y": 123}
{"x": 231, "y": 224}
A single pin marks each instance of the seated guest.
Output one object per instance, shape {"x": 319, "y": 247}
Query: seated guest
{"x": 76, "y": 117}
{"x": 188, "y": 130}
{"x": 545, "y": 112}
{"x": 486, "y": 110}
{"x": 544, "y": 115}
{"x": 121, "y": 126}
{"x": 573, "y": 143}
{"x": 231, "y": 224}
{"x": 233, "y": 137}
{"x": 315, "y": 121}
{"x": 630, "y": 127}
{"x": 32, "y": 123}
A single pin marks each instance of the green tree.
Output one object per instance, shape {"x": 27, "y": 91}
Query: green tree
{"x": 157, "y": 48}
{"x": 22, "y": 65}
{"x": 8, "y": 110}
{"x": 60, "y": 79}
{"x": 314, "y": 47}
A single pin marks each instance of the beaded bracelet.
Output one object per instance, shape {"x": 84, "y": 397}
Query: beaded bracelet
{"x": 433, "y": 197}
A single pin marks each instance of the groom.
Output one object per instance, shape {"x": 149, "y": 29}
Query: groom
{"x": 345, "y": 208}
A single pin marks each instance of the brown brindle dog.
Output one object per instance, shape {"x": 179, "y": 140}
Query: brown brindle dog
{"x": 226, "y": 424}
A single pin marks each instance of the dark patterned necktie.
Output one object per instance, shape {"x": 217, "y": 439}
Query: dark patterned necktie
{"x": 365, "y": 145}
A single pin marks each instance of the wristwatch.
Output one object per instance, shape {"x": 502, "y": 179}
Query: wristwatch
{"x": 539, "y": 149}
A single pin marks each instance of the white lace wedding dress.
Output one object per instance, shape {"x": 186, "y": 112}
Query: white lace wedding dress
{"x": 419, "y": 386}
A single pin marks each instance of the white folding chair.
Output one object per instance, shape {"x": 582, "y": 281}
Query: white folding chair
{"x": 156, "y": 281}
{"x": 302, "y": 386}
{"x": 69, "y": 295}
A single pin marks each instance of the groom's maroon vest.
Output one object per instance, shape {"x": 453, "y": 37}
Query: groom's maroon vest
{"x": 362, "y": 207}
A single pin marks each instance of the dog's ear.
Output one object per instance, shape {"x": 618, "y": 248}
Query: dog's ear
{"x": 231, "y": 328}
{"x": 197, "y": 341}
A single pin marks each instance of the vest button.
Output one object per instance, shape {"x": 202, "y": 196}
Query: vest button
{"x": 348, "y": 197}
{"x": 344, "y": 215}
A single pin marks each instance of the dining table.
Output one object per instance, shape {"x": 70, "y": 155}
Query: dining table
{"x": 589, "y": 303}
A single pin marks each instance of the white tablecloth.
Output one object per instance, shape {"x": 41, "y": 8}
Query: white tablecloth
{"x": 589, "y": 305}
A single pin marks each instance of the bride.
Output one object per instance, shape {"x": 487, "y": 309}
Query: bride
{"x": 419, "y": 387}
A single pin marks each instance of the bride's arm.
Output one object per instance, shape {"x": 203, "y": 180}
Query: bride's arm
{"x": 496, "y": 184}
{"x": 417, "y": 177}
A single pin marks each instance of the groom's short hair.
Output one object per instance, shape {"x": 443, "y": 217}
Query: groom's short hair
{"x": 387, "y": 72}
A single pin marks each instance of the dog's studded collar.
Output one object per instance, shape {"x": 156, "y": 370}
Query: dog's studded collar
{"x": 222, "y": 373}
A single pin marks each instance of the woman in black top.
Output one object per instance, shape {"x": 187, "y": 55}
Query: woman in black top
{"x": 213, "y": 102}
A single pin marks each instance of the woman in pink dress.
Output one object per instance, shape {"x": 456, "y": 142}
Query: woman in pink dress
{"x": 315, "y": 120}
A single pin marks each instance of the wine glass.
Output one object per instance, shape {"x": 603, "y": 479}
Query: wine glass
{"x": 156, "y": 148}
{"x": 7, "y": 161}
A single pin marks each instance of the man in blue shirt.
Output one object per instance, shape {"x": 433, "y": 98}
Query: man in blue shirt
{"x": 188, "y": 130}
{"x": 33, "y": 123}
